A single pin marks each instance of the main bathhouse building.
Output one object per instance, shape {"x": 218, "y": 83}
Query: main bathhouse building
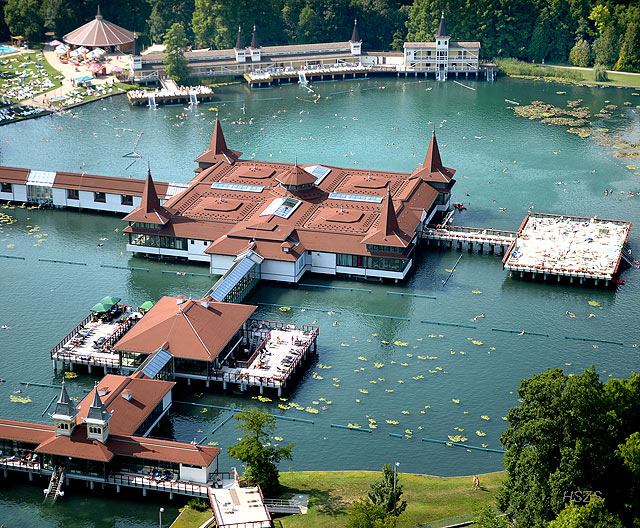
{"x": 293, "y": 218}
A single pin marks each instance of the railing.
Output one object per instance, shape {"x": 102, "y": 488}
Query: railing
{"x": 70, "y": 335}
{"x": 141, "y": 481}
{"x": 246, "y": 363}
{"x": 460, "y": 232}
{"x": 120, "y": 330}
{"x": 22, "y": 465}
{"x": 87, "y": 360}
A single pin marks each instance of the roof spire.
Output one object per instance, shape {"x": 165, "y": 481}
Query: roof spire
{"x": 388, "y": 218}
{"x": 254, "y": 39}
{"x": 64, "y": 407}
{"x": 432, "y": 161}
{"x": 218, "y": 144}
{"x": 98, "y": 411}
{"x": 239, "y": 41}
{"x": 150, "y": 201}
{"x": 355, "y": 35}
{"x": 98, "y": 15}
{"x": 442, "y": 27}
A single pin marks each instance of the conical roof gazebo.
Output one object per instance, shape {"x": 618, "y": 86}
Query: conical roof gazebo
{"x": 99, "y": 33}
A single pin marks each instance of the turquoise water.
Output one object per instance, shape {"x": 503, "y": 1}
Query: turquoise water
{"x": 365, "y": 127}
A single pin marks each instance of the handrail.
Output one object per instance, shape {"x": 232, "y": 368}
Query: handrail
{"x": 70, "y": 335}
{"x": 142, "y": 481}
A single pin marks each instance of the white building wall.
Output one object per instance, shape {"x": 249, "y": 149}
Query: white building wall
{"x": 193, "y": 474}
{"x": 59, "y": 197}
{"x": 278, "y": 270}
{"x": 18, "y": 193}
{"x": 166, "y": 401}
{"x": 221, "y": 263}
{"x": 196, "y": 250}
{"x": 323, "y": 263}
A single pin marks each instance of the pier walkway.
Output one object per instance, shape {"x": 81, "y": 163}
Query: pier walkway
{"x": 458, "y": 235}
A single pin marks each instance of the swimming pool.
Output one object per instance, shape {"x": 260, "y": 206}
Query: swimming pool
{"x": 4, "y": 50}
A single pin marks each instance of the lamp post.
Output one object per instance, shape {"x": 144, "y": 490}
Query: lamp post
{"x": 395, "y": 499}
{"x": 160, "y": 517}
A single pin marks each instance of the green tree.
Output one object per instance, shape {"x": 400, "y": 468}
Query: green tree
{"x": 382, "y": 492}
{"x": 254, "y": 450}
{"x": 629, "y": 59}
{"x": 601, "y": 16}
{"x": 600, "y": 73}
{"x": 594, "y": 513}
{"x": 309, "y": 28}
{"x": 165, "y": 13}
{"x": 177, "y": 67}
{"x": 605, "y": 48}
{"x": 537, "y": 49}
{"x": 580, "y": 54}
{"x": 562, "y": 438}
{"x": 23, "y": 18}
{"x": 204, "y": 22}
{"x": 630, "y": 454}
{"x": 486, "y": 517}
{"x": 364, "y": 514}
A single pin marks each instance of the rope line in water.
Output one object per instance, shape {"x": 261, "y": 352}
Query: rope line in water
{"x": 523, "y": 332}
{"x": 12, "y": 257}
{"x": 232, "y": 409}
{"x": 443, "y": 323}
{"x": 466, "y": 446}
{"x": 594, "y": 340}
{"x": 412, "y": 295}
{"x": 123, "y": 267}
{"x": 384, "y": 316}
{"x": 63, "y": 262}
{"x": 298, "y": 307}
{"x": 187, "y": 273}
{"x": 332, "y": 287}
{"x": 351, "y": 428}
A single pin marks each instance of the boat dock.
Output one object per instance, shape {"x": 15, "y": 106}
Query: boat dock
{"x": 267, "y": 77}
{"x": 170, "y": 93}
{"x": 576, "y": 247}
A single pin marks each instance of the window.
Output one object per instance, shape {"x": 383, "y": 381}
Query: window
{"x": 158, "y": 241}
{"x": 95, "y": 430}
{"x": 145, "y": 225}
{"x": 73, "y": 194}
{"x": 6, "y": 188}
{"x": 126, "y": 199}
{"x": 99, "y": 197}
{"x": 376, "y": 263}
{"x": 63, "y": 426}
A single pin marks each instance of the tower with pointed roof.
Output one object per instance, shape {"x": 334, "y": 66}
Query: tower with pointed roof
{"x": 387, "y": 233}
{"x": 442, "y": 49}
{"x": 150, "y": 211}
{"x": 432, "y": 169}
{"x": 356, "y": 42}
{"x": 296, "y": 179}
{"x": 255, "y": 50}
{"x": 218, "y": 150}
{"x": 241, "y": 52}
{"x": 64, "y": 417}
{"x": 97, "y": 419}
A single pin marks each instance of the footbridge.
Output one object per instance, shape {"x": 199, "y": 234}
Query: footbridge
{"x": 239, "y": 279}
{"x": 456, "y": 237}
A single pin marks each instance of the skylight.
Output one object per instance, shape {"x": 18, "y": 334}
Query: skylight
{"x": 355, "y": 197}
{"x": 318, "y": 171}
{"x": 237, "y": 187}
{"x": 282, "y": 207}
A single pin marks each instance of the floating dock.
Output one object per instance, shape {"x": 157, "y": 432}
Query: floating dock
{"x": 170, "y": 93}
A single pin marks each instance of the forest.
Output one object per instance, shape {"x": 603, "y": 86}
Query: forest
{"x": 582, "y": 32}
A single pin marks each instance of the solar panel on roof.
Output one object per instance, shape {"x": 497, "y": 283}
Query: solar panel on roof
{"x": 355, "y": 197}
{"x": 282, "y": 207}
{"x": 156, "y": 363}
{"x": 237, "y": 187}
{"x": 41, "y": 178}
{"x": 235, "y": 276}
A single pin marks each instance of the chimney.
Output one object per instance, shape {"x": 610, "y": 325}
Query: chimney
{"x": 205, "y": 302}
{"x": 179, "y": 299}
{"x": 126, "y": 394}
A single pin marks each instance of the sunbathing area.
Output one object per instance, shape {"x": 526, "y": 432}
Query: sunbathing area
{"x": 237, "y": 506}
{"x": 90, "y": 342}
{"x": 570, "y": 246}
{"x": 318, "y": 69}
{"x": 279, "y": 351}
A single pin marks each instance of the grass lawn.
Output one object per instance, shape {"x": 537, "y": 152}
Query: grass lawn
{"x": 10, "y": 67}
{"x": 428, "y": 498}
{"x": 189, "y": 518}
{"x": 616, "y": 79}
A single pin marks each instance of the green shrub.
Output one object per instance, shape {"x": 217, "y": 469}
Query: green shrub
{"x": 198, "y": 505}
{"x": 600, "y": 73}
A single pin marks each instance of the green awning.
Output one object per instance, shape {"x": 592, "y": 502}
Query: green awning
{"x": 101, "y": 307}
{"x": 147, "y": 305}
{"x": 110, "y": 300}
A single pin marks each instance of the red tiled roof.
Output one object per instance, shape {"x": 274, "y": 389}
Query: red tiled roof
{"x": 76, "y": 446}
{"x": 189, "y": 329}
{"x": 296, "y": 176}
{"x": 218, "y": 148}
{"x": 24, "y": 431}
{"x": 127, "y": 415}
{"x": 166, "y": 450}
{"x": 13, "y": 175}
{"x": 387, "y": 231}
{"x": 433, "y": 168}
{"x": 106, "y": 184}
{"x": 150, "y": 210}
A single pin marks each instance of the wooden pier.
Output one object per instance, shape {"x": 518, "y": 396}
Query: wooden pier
{"x": 304, "y": 76}
{"x": 170, "y": 93}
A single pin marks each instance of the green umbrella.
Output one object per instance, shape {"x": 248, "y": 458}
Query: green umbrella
{"x": 101, "y": 307}
{"x": 110, "y": 300}
{"x": 147, "y": 305}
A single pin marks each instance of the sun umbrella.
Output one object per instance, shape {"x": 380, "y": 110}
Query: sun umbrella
{"x": 98, "y": 52}
{"x": 82, "y": 49}
{"x": 76, "y": 53}
{"x": 61, "y": 49}
{"x": 94, "y": 67}
{"x": 115, "y": 69}
{"x": 110, "y": 300}
{"x": 101, "y": 307}
{"x": 147, "y": 305}
{"x": 54, "y": 43}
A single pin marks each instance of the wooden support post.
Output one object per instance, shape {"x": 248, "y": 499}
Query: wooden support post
{"x": 89, "y": 368}
{"x": 55, "y": 365}
{"x": 144, "y": 492}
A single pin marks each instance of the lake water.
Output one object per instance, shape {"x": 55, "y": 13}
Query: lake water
{"x": 379, "y": 369}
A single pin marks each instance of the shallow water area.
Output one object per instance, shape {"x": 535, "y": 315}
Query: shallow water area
{"x": 434, "y": 381}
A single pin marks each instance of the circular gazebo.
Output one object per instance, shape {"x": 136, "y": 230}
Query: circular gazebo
{"x": 99, "y": 33}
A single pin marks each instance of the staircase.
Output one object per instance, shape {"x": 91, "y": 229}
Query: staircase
{"x": 627, "y": 257}
{"x": 55, "y": 488}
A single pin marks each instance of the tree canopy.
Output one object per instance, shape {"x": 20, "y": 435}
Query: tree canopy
{"x": 256, "y": 450}
{"x": 383, "y": 494}
{"x": 365, "y": 514}
{"x": 572, "y": 434}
